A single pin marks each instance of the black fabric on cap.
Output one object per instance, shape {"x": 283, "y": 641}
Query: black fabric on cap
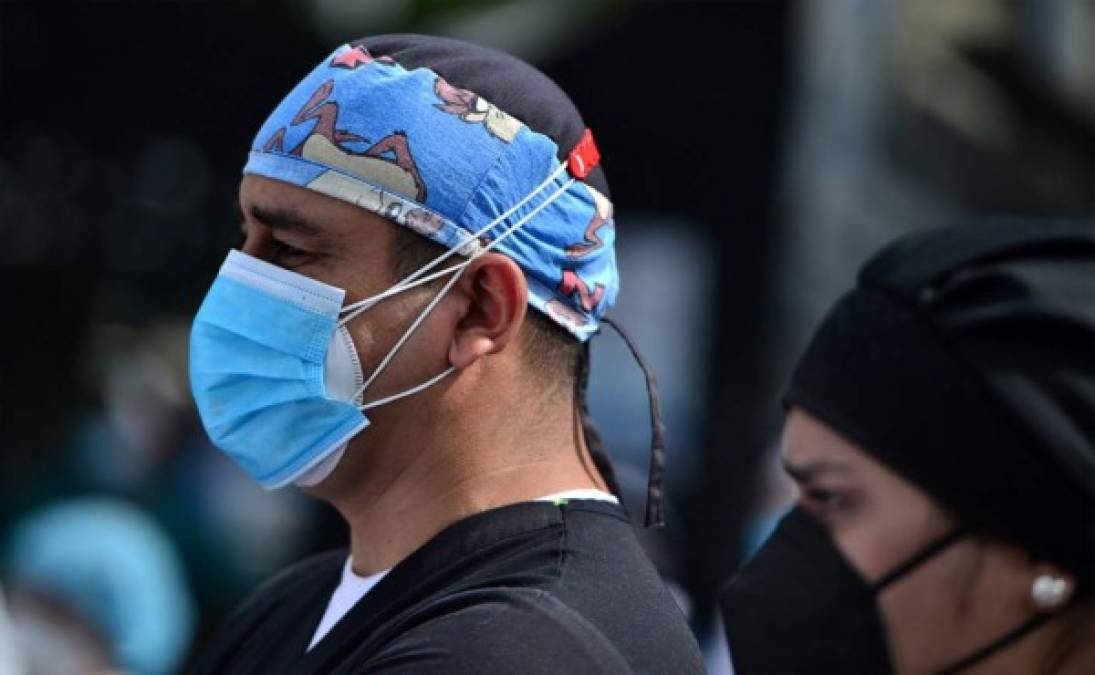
{"x": 965, "y": 361}
{"x": 506, "y": 81}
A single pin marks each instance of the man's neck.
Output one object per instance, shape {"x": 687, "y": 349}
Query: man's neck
{"x": 402, "y": 490}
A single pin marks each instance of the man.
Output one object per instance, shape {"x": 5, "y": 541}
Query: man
{"x": 372, "y": 342}
{"x": 941, "y": 435}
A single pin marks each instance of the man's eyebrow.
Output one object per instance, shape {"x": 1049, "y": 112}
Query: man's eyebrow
{"x": 283, "y": 219}
{"x": 804, "y": 473}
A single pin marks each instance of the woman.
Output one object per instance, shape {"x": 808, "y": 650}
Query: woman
{"x": 942, "y": 435}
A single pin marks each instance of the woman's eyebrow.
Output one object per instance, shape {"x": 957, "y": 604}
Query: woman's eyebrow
{"x": 807, "y": 471}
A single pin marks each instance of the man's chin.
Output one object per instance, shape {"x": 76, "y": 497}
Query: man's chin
{"x": 332, "y": 485}
{"x": 344, "y": 477}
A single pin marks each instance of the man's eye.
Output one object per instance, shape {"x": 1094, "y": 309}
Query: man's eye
{"x": 284, "y": 253}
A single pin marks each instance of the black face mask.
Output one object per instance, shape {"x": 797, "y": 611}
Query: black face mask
{"x": 800, "y": 607}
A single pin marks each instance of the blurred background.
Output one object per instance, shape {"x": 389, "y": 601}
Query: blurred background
{"x": 757, "y": 153}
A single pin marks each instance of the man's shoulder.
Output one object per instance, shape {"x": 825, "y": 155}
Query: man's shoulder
{"x": 311, "y": 572}
{"x": 497, "y": 630}
{"x": 313, "y": 568}
{"x": 271, "y": 614}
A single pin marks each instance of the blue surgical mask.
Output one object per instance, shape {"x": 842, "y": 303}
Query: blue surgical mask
{"x": 273, "y": 368}
{"x": 259, "y": 353}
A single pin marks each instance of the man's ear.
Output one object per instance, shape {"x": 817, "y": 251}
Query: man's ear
{"x": 497, "y": 296}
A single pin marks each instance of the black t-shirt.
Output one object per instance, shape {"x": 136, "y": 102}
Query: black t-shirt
{"x": 528, "y": 588}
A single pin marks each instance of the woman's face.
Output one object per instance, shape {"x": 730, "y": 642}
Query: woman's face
{"x": 953, "y": 604}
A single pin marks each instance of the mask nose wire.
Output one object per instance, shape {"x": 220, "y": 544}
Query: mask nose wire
{"x": 459, "y": 271}
{"x": 353, "y": 309}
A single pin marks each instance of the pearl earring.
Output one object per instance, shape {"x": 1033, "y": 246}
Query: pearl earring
{"x": 1048, "y": 592}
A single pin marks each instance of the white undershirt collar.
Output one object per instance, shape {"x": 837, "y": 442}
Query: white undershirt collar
{"x": 352, "y": 587}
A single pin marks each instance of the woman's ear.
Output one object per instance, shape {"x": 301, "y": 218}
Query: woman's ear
{"x": 497, "y": 296}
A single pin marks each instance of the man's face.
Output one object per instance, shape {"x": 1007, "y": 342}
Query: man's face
{"x": 345, "y": 246}
{"x": 954, "y": 603}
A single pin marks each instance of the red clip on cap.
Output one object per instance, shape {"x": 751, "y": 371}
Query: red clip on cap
{"x": 583, "y": 156}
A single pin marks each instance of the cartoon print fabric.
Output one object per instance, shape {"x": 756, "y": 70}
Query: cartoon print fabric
{"x": 443, "y": 161}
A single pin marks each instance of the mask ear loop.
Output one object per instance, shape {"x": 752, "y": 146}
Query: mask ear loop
{"x": 406, "y": 336}
{"x": 459, "y": 271}
{"x": 410, "y": 392}
{"x": 1000, "y": 643}
{"x": 1003, "y": 641}
{"x": 413, "y": 280}
{"x": 928, "y": 552}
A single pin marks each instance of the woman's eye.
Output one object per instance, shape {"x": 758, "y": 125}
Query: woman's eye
{"x": 827, "y": 500}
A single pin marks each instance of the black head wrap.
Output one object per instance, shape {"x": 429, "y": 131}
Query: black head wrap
{"x": 964, "y": 360}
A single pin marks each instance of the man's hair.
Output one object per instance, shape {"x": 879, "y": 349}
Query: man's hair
{"x": 550, "y": 351}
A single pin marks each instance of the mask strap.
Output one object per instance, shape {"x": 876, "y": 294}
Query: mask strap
{"x": 1005, "y": 640}
{"x": 470, "y": 236}
{"x": 407, "y": 335}
{"x": 352, "y": 310}
{"x": 413, "y": 390}
{"x": 919, "y": 559}
{"x": 459, "y": 271}
{"x": 655, "y": 489}
{"x": 413, "y": 280}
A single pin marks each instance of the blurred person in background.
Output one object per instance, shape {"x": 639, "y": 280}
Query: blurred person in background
{"x": 444, "y": 188}
{"x": 10, "y": 662}
{"x": 96, "y": 587}
{"x": 941, "y": 435}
